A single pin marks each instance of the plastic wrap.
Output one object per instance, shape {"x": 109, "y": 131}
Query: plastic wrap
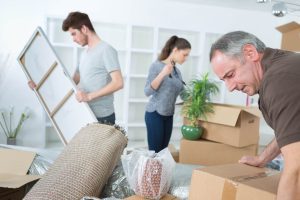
{"x": 95, "y": 198}
{"x": 277, "y": 163}
{"x": 39, "y": 165}
{"x": 90, "y": 198}
{"x": 117, "y": 185}
{"x": 149, "y": 174}
{"x": 181, "y": 180}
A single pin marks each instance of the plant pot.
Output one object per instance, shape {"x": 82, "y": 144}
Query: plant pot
{"x": 191, "y": 132}
{"x": 11, "y": 141}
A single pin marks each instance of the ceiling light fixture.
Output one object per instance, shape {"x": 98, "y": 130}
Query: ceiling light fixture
{"x": 279, "y": 9}
{"x": 282, "y": 8}
{"x": 262, "y": 1}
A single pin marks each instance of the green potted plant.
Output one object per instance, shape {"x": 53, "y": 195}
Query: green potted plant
{"x": 7, "y": 125}
{"x": 196, "y": 97}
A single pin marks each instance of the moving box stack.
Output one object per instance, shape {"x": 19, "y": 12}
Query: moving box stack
{"x": 234, "y": 182}
{"x": 229, "y": 133}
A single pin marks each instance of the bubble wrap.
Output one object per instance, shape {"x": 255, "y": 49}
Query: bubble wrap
{"x": 118, "y": 187}
{"x": 181, "y": 180}
{"x": 149, "y": 174}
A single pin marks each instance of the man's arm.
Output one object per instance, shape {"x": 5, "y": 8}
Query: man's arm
{"x": 289, "y": 184}
{"x": 115, "y": 85}
{"x": 269, "y": 153}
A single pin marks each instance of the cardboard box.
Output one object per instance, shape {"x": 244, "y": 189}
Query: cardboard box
{"x": 174, "y": 152}
{"x": 166, "y": 197}
{"x": 204, "y": 152}
{"x": 234, "y": 182}
{"x": 290, "y": 36}
{"x": 13, "y": 169}
{"x": 16, "y": 193}
{"x": 233, "y": 125}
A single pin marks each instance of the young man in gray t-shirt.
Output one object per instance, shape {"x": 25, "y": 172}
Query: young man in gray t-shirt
{"x": 98, "y": 73}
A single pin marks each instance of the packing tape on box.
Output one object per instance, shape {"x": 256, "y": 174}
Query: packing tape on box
{"x": 231, "y": 184}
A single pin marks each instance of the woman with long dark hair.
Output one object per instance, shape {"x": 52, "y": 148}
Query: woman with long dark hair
{"x": 164, "y": 84}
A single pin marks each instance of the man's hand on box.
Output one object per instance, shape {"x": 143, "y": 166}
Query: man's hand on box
{"x": 252, "y": 160}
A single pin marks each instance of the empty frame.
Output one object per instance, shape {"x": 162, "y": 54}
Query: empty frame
{"x": 55, "y": 88}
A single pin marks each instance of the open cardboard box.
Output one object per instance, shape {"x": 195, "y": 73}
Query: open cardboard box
{"x": 204, "y": 152}
{"x": 234, "y": 182}
{"x": 290, "y": 36}
{"x": 13, "y": 173}
{"x": 233, "y": 125}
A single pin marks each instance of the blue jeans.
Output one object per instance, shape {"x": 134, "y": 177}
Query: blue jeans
{"x": 110, "y": 120}
{"x": 159, "y": 130}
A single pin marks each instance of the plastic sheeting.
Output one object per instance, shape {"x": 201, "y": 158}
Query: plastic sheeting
{"x": 181, "y": 180}
{"x": 39, "y": 165}
{"x": 118, "y": 187}
{"x": 277, "y": 163}
{"x": 149, "y": 174}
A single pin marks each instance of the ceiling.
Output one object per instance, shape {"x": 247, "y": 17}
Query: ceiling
{"x": 240, "y": 4}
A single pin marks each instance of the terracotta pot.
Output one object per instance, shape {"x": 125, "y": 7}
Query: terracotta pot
{"x": 191, "y": 132}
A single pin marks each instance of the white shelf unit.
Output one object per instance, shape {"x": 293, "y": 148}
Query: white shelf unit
{"x": 137, "y": 46}
{"x": 146, "y": 44}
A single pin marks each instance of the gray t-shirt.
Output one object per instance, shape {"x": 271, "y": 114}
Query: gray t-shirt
{"x": 94, "y": 68}
{"x": 163, "y": 99}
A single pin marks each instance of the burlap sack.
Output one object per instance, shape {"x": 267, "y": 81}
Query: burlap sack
{"x": 84, "y": 166}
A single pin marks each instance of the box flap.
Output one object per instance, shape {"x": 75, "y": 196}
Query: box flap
{"x": 288, "y": 27}
{"x": 253, "y": 110}
{"x": 16, "y": 181}
{"x": 223, "y": 115}
{"x": 232, "y": 170}
{"x": 15, "y": 162}
{"x": 229, "y": 114}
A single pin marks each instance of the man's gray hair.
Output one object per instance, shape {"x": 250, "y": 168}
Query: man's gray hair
{"x": 231, "y": 44}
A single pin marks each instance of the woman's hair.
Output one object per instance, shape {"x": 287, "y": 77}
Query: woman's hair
{"x": 174, "y": 41}
{"x": 76, "y": 20}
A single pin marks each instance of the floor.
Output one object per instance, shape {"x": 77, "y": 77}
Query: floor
{"x": 53, "y": 149}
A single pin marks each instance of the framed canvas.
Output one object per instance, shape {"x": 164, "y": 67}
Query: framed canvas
{"x": 55, "y": 88}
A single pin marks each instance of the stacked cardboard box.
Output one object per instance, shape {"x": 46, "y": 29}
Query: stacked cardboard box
{"x": 207, "y": 153}
{"x": 229, "y": 133}
{"x": 234, "y": 182}
{"x": 290, "y": 36}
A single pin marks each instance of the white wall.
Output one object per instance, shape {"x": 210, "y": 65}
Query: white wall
{"x": 18, "y": 19}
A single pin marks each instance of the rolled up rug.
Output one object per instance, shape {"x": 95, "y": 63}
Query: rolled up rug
{"x": 84, "y": 166}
